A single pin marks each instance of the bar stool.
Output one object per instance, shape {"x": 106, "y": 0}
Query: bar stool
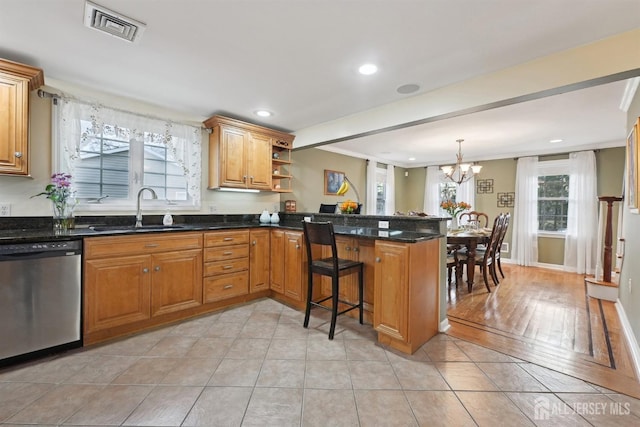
{"x": 322, "y": 234}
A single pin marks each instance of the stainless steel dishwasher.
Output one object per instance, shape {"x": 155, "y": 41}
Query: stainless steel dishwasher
{"x": 40, "y": 294}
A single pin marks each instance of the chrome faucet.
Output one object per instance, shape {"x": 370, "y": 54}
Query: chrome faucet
{"x": 138, "y": 208}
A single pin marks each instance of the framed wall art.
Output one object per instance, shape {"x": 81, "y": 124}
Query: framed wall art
{"x": 484, "y": 186}
{"x": 631, "y": 190}
{"x": 332, "y": 181}
{"x": 506, "y": 200}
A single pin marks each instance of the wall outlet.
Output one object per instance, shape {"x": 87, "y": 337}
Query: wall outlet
{"x": 213, "y": 208}
{"x": 307, "y": 219}
{"x": 383, "y": 224}
{"x": 5, "y": 209}
{"x": 504, "y": 248}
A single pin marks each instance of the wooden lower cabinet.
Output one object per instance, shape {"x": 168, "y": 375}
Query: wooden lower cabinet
{"x": 406, "y": 296}
{"x": 117, "y": 291}
{"x": 259, "y": 260}
{"x": 132, "y": 279}
{"x": 176, "y": 279}
{"x": 226, "y": 264}
{"x": 287, "y": 264}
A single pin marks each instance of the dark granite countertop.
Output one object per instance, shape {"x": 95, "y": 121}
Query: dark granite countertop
{"x": 109, "y": 228}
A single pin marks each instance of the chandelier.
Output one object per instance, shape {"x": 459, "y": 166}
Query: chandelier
{"x": 461, "y": 172}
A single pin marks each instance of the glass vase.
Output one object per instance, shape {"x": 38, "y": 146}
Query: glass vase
{"x": 454, "y": 222}
{"x": 63, "y": 219}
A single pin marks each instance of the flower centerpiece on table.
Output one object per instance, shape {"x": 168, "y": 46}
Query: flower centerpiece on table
{"x": 453, "y": 208}
{"x": 61, "y": 194}
{"x": 348, "y": 207}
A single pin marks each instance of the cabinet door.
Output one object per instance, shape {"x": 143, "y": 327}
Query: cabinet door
{"x": 116, "y": 291}
{"x": 391, "y": 289}
{"x": 348, "y": 289}
{"x": 277, "y": 261}
{"x": 176, "y": 281}
{"x": 293, "y": 265}
{"x": 259, "y": 260}
{"x": 14, "y": 96}
{"x": 233, "y": 172}
{"x": 259, "y": 161}
{"x": 366, "y": 254}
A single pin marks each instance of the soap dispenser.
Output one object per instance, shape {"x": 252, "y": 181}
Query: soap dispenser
{"x": 168, "y": 219}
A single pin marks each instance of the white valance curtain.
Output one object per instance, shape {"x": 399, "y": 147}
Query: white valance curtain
{"x": 582, "y": 215}
{"x": 372, "y": 191}
{"x": 432, "y": 191}
{"x": 390, "y": 200}
{"x": 525, "y": 218}
{"x": 182, "y": 141}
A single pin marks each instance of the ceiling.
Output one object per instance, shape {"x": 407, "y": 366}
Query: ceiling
{"x": 299, "y": 59}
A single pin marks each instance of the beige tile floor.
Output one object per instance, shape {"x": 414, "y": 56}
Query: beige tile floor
{"x": 255, "y": 365}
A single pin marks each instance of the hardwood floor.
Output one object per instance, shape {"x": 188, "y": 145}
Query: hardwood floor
{"x": 545, "y": 317}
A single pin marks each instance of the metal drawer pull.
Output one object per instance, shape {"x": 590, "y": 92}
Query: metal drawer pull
{"x": 227, "y": 239}
{"x": 253, "y": 243}
{"x": 18, "y": 154}
{"x": 145, "y": 270}
{"x": 378, "y": 259}
{"x": 227, "y": 287}
{"x": 227, "y": 253}
{"x": 226, "y": 267}
{"x": 157, "y": 268}
{"x": 151, "y": 245}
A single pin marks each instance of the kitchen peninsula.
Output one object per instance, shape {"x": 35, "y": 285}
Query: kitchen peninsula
{"x": 135, "y": 279}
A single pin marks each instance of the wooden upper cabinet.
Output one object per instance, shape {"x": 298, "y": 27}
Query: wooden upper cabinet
{"x": 16, "y": 81}
{"x": 240, "y": 154}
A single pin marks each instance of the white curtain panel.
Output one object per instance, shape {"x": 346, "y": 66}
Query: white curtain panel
{"x": 432, "y": 191}
{"x": 525, "y": 217}
{"x": 390, "y": 201}
{"x": 466, "y": 193}
{"x": 582, "y": 216}
{"x": 371, "y": 193}
{"x": 182, "y": 141}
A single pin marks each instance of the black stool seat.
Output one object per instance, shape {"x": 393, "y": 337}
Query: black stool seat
{"x": 322, "y": 234}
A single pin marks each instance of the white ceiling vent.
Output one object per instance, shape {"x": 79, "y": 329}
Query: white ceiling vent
{"x": 110, "y": 22}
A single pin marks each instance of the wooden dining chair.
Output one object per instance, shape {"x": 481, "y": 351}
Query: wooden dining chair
{"x": 480, "y": 219}
{"x": 503, "y": 232}
{"x": 486, "y": 259}
{"x": 453, "y": 266}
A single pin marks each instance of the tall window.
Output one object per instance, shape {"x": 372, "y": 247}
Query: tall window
{"x": 553, "y": 196}
{"x": 381, "y": 190}
{"x": 112, "y": 154}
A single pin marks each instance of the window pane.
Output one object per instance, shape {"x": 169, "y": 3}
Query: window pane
{"x": 553, "y": 202}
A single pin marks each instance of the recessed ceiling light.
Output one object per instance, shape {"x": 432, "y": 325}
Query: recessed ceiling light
{"x": 408, "y": 88}
{"x": 264, "y": 113}
{"x": 368, "y": 69}
{"x": 554, "y": 141}
{"x": 412, "y": 158}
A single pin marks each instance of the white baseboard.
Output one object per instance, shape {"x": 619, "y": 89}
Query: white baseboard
{"x": 550, "y": 266}
{"x": 632, "y": 343}
{"x": 444, "y": 326}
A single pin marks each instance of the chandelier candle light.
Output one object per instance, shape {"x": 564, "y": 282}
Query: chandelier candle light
{"x": 460, "y": 172}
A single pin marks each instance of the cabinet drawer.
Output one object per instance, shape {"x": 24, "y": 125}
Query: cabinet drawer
{"x": 226, "y": 286}
{"x": 222, "y": 238}
{"x": 100, "y": 247}
{"x": 224, "y": 267}
{"x": 226, "y": 253}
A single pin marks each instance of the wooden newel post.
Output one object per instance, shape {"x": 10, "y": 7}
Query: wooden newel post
{"x": 608, "y": 236}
